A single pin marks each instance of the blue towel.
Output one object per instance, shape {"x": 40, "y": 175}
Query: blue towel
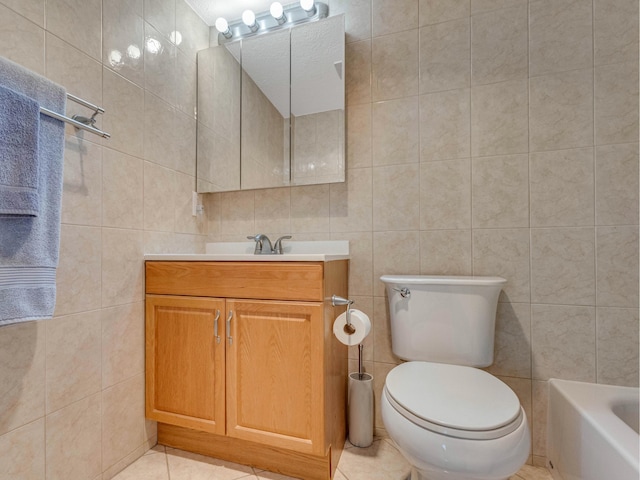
{"x": 19, "y": 123}
{"x": 29, "y": 246}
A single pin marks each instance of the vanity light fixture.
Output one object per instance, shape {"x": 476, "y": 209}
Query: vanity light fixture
{"x": 277, "y": 17}
{"x": 223, "y": 27}
{"x": 308, "y": 6}
{"x": 277, "y": 12}
{"x": 249, "y": 19}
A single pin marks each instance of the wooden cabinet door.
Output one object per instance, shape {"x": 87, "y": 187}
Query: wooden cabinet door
{"x": 185, "y": 374}
{"x": 275, "y": 388}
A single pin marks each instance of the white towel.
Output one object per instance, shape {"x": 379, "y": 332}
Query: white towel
{"x": 29, "y": 246}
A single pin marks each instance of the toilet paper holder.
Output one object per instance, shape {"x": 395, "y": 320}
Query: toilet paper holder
{"x": 337, "y": 301}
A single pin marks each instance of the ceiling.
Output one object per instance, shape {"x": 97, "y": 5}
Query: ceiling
{"x": 209, "y": 10}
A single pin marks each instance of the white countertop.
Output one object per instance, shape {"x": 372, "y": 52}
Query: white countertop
{"x": 323, "y": 251}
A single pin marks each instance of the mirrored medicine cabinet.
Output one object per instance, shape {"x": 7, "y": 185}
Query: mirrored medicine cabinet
{"x": 271, "y": 109}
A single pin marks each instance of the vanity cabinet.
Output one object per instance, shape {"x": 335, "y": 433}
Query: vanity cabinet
{"x": 241, "y": 363}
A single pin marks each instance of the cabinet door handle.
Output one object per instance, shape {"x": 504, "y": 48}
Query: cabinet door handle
{"x": 229, "y": 327}
{"x": 215, "y": 327}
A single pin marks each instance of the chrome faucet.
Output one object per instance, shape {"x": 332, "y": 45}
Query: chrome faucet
{"x": 263, "y": 244}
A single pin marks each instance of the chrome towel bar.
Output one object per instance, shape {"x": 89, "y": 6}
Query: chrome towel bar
{"x": 78, "y": 121}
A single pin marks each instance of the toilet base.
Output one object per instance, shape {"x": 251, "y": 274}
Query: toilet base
{"x": 434, "y": 456}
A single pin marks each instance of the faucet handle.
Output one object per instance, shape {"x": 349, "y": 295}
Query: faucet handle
{"x": 258, "y": 239}
{"x": 277, "y": 248}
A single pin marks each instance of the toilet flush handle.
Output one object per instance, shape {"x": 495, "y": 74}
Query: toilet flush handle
{"x": 404, "y": 292}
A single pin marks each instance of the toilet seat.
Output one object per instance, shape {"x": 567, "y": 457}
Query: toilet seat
{"x": 456, "y": 401}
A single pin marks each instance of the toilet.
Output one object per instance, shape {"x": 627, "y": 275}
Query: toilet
{"x": 451, "y": 420}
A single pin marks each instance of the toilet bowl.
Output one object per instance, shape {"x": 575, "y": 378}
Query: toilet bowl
{"x": 454, "y": 422}
{"x": 451, "y": 420}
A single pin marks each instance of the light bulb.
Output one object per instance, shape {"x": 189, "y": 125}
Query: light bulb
{"x": 222, "y": 25}
{"x": 276, "y": 10}
{"x": 308, "y": 5}
{"x": 249, "y": 18}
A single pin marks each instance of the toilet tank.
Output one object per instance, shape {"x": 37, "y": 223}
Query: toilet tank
{"x": 444, "y": 319}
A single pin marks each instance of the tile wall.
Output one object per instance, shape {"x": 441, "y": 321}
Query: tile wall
{"x": 495, "y": 137}
{"x": 72, "y": 388}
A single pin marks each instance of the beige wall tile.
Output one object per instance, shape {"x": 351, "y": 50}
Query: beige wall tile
{"x": 123, "y": 419}
{"x": 159, "y": 197}
{"x": 31, "y": 9}
{"x": 617, "y": 346}
{"x": 159, "y": 242}
{"x": 561, "y": 113}
{"x": 360, "y": 261}
{"x": 273, "y": 210}
{"x": 540, "y": 396}
{"x": 392, "y": 16}
{"x": 185, "y": 222}
{"x": 123, "y": 47}
{"x": 310, "y": 209}
{"x": 357, "y": 18}
{"x": 73, "y": 345}
{"x": 445, "y": 130}
{"x": 380, "y": 372}
{"x": 499, "y": 118}
{"x": 22, "y": 369}
{"x": 122, "y": 343}
{"x": 500, "y": 45}
{"x": 395, "y": 189}
{"x": 562, "y": 188}
{"x": 159, "y": 64}
{"x": 185, "y": 140}
{"x": 445, "y": 194}
{"x": 564, "y": 342}
{"x": 159, "y": 146}
{"x": 22, "y": 452}
{"x": 394, "y": 65}
{"x": 616, "y": 103}
{"x": 238, "y": 211}
{"x": 359, "y": 126}
{"x": 445, "y": 56}
{"x": 523, "y": 388}
{"x": 161, "y": 14}
{"x": 500, "y": 191}
{"x": 122, "y": 190}
{"x": 358, "y": 72}
{"x": 21, "y": 41}
{"x": 396, "y": 137}
{"x": 512, "y": 350}
{"x": 445, "y": 252}
{"x": 194, "y": 33}
{"x": 617, "y": 184}
{"x": 615, "y": 31}
{"x": 73, "y": 440}
{"x": 80, "y": 74}
{"x": 394, "y": 253}
{"x": 481, "y": 6}
{"x": 560, "y": 35}
{"x": 563, "y": 266}
{"x": 504, "y": 253}
{"x": 122, "y": 267}
{"x": 186, "y": 80}
{"x": 438, "y": 11}
{"x": 617, "y": 267}
{"x": 382, "y": 349}
{"x": 82, "y": 29}
{"x": 352, "y": 202}
{"x": 123, "y": 102}
{"x": 82, "y": 184}
{"x": 78, "y": 275}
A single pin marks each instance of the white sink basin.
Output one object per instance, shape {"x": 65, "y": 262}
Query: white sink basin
{"x": 322, "y": 251}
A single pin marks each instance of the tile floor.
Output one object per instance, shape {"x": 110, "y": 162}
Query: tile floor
{"x": 381, "y": 461}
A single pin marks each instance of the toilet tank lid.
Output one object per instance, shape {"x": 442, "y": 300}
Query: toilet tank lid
{"x": 442, "y": 280}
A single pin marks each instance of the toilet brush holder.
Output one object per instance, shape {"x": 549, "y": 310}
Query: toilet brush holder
{"x": 360, "y": 406}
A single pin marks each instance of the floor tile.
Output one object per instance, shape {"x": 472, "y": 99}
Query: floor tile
{"x": 147, "y": 467}
{"x": 191, "y": 466}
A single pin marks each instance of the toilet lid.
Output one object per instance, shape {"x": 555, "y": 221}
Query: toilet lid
{"x": 453, "y": 396}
